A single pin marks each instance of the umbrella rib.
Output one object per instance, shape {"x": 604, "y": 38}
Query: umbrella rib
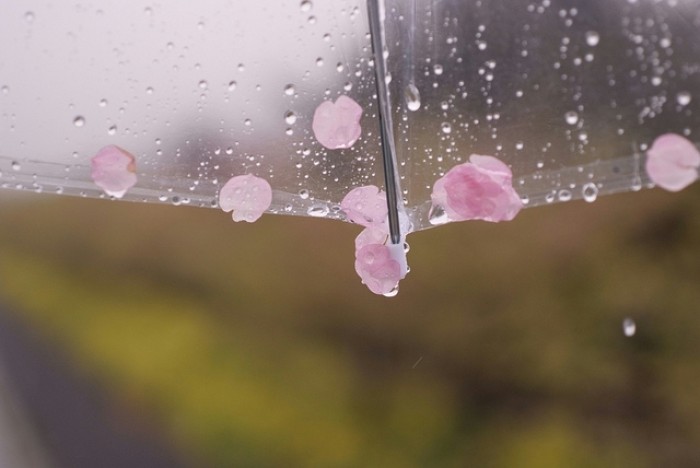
{"x": 376, "y": 28}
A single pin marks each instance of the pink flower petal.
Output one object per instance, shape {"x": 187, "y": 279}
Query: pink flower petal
{"x": 372, "y": 235}
{"x": 672, "y": 162}
{"x": 380, "y": 264}
{"x": 113, "y": 170}
{"x": 365, "y": 205}
{"x": 337, "y": 124}
{"x": 247, "y": 196}
{"x": 377, "y": 267}
{"x": 479, "y": 189}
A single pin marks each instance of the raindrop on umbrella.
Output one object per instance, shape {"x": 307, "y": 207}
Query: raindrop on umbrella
{"x": 571, "y": 101}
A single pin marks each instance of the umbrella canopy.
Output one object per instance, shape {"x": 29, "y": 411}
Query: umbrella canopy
{"x": 460, "y": 109}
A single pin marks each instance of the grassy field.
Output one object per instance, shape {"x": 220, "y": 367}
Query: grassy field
{"x": 256, "y": 345}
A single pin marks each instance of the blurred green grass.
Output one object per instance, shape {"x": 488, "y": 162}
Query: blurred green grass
{"x": 256, "y": 345}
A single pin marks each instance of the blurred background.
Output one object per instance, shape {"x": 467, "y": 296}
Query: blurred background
{"x": 134, "y": 335}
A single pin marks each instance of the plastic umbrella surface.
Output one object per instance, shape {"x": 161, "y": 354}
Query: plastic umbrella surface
{"x": 213, "y": 103}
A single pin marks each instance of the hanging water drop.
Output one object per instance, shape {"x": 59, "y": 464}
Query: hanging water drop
{"x": 289, "y": 90}
{"x": 412, "y": 96}
{"x": 306, "y": 5}
{"x": 79, "y": 121}
{"x": 16, "y": 166}
{"x": 446, "y": 128}
{"x": 232, "y": 85}
{"x": 392, "y": 293}
{"x": 629, "y": 328}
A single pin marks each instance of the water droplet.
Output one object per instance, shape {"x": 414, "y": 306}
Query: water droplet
{"x": 571, "y": 118}
{"x": 112, "y": 130}
{"x": 629, "y": 328}
{"x": 232, "y": 85}
{"x": 29, "y": 17}
{"x": 289, "y": 90}
{"x": 438, "y": 216}
{"x": 203, "y": 84}
{"x": 684, "y": 98}
{"x": 592, "y": 38}
{"x": 5, "y": 89}
{"x": 103, "y": 103}
{"x": 339, "y": 67}
{"x": 290, "y": 118}
{"x": 79, "y": 121}
{"x": 519, "y": 145}
{"x": 149, "y": 90}
{"x": 590, "y": 192}
{"x": 564, "y": 195}
{"x": 304, "y": 194}
{"x": 16, "y": 166}
{"x": 636, "y": 184}
{"x": 319, "y": 62}
{"x": 247, "y": 122}
{"x": 306, "y": 5}
{"x": 318, "y": 211}
{"x": 437, "y": 69}
{"x": 412, "y": 96}
{"x": 446, "y": 128}
{"x": 393, "y": 292}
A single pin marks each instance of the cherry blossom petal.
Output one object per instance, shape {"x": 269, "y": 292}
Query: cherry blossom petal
{"x": 377, "y": 266}
{"x": 337, "y": 124}
{"x": 365, "y": 205}
{"x": 247, "y": 196}
{"x": 114, "y": 170}
{"x": 672, "y": 162}
{"x": 479, "y": 189}
{"x": 380, "y": 264}
{"x": 378, "y": 234}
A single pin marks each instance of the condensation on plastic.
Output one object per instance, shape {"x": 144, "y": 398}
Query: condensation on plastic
{"x": 570, "y": 94}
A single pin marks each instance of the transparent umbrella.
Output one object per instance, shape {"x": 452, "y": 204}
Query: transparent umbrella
{"x": 559, "y": 100}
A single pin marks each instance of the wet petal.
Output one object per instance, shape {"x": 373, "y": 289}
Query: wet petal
{"x": 380, "y": 264}
{"x": 365, "y": 205}
{"x": 377, "y": 268}
{"x": 114, "y": 170}
{"x": 337, "y": 124}
{"x": 378, "y": 234}
{"x": 247, "y": 196}
{"x": 672, "y": 162}
{"x": 479, "y": 189}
